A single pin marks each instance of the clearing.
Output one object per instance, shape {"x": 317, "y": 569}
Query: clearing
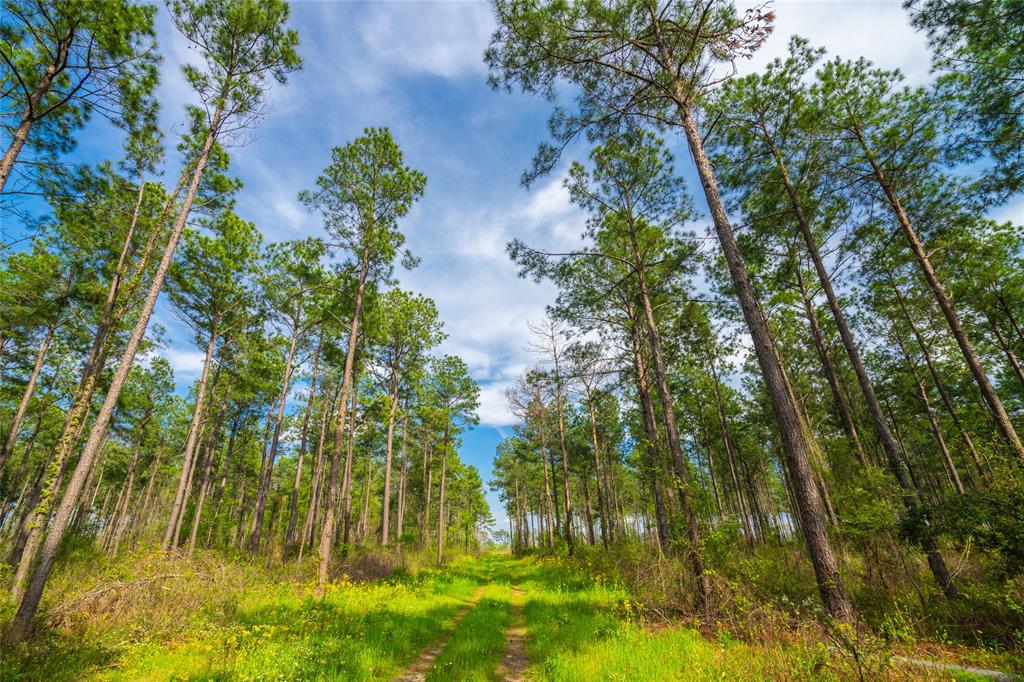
{"x": 489, "y": 618}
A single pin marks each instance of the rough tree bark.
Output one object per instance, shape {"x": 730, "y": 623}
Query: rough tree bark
{"x": 940, "y": 385}
{"x": 26, "y": 396}
{"x": 440, "y": 503}
{"x": 327, "y": 533}
{"x": 293, "y": 511}
{"x": 90, "y": 453}
{"x": 672, "y": 436}
{"x": 30, "y": 115}
{"x": 264, "y": 487}
{"x": 795, "y": 444}
{"x": 988, "y": 392}
{"x": 180, "y": 495}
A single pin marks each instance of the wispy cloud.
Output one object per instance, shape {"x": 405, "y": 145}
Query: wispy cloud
{"x": 482, "y": 299}
{"x": 876, "y": 29}
{"x": 185, "y": 363}
{"x": 446, "y": 40}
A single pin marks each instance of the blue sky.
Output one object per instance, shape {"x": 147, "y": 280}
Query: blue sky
{"x": 416, "y": 68}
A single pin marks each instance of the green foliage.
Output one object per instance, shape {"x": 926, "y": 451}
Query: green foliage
{"x": 453, "y": 393}
{"x": 976, "y": 48}
{"x": 361, "y": 196}
{"x": 64, "y": 60}
{"x": 211, "y": 278}
{"x": 627, "y": 67}
{"x": 243, "y": 43}
{"x": 993, "y": 520}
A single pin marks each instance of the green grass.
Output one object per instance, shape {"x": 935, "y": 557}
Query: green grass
{"x": 230, "y": 620}
{"x": 583, "y": 629}
{"x": 355, "y": 632}
{"x": 475, "y": 649}
{"x": 268, "y": 631}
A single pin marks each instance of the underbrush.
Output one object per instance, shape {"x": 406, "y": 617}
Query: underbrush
{"x": 626, "y": 613}
{"x": 767, "y": 597}
{"x": 586, "y": 623}
{"x": 221, "y": 615}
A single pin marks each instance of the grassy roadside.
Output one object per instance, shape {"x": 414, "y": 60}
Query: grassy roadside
{"x": 582, "y": 627}
{"x": 228, "y": 620}
{"x": 221, "y": 619}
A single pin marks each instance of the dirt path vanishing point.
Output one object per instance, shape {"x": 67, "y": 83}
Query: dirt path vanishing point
{"x": 417, "y": 672}
{"x": 513, "y": 665}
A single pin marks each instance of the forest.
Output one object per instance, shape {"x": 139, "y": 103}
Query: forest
{"x": 769, "y": 426}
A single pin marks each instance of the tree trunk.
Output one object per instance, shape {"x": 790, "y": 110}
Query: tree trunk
{"x": 30, "y": 116}
{"x": 601, "y": 496}
{"x": 181, "y": 494}
{"x": 75, "y": 419}
{"x": 19, "y": 479}
{"x": 428, "y": 486}
{"x": 327, "y": 534}
{"x": 221, "y": 488}
{"x": 830, "y": 370}
{"x": 1010, "y": 317}
{"x": 87, "y": 460}
{"x": 545, "y": 456}
{"x": 945, "y": 304}
{"x": 403, "y": 475}
{"x": 23, "y": 527}
{"x": 148, "y": 496}
{"x": 517, "y": 539}
{"x": 794, "y": 439}
{"x": 609, "y": 518}
{"x": 389, "y": 448}
{"x": 364, "y": 518}
{"x": 268, "y": 471}
{"x": 204, "y": 489}
{"x": 26, "y": 396}
{"x": 935, "y": 560}
{"x": 711, "y": 456}
{"x": 723, "y": 423}
{"x": 316, "y": 484}
{"x": 31, "y": 538}
{"x": 123, "y": 503}
{"x": 588, "y": 512}
{"x": 293, "y": 512}
{"x": 674, "y": 444}
{"x": 1007, "y": 350}
{"x": 346, "y": 486}
{"x": 651, "y": 432}
{"x": 564, "y": 450}
{"x": 212, "y": 438}
{"x": 922, "y": 392}
{"x": 939, "y": 385}
{"x": 440, "y": 503}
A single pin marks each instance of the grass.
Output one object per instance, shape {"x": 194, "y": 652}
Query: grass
{"x": 475, "y": 649}
{"x": 251, "y": 627}
{"x": 221, "y": 618}
{"x": 355, "y": 632}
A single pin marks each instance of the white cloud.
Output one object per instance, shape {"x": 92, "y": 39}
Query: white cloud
{"x": 485, "y": 305}
{"x": 395, "y": 39}
{"x": 184, "y": 362}
{"x": 440, "y": 39}
{"x": 875, "y": 29}
{"x": 494, "y": 409}
{"x": 548, "y": 203}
